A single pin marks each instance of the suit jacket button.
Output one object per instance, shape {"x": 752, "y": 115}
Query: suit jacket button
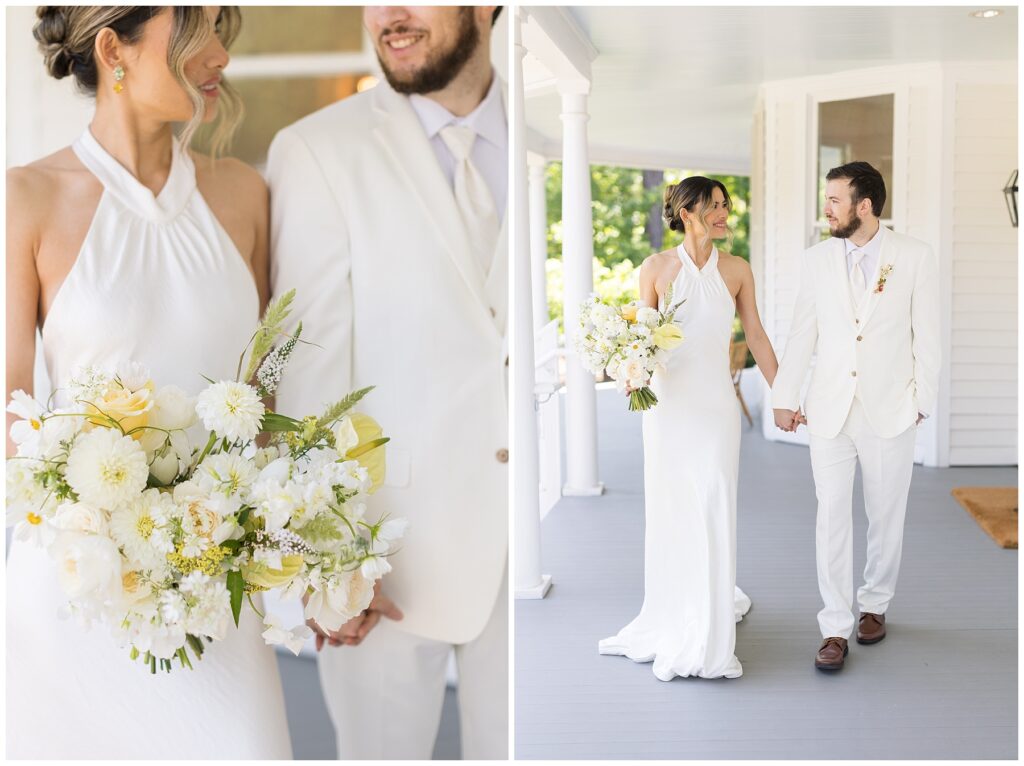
{"x": 857, "y": 321}
{"x": 854, "y": 373}
{"x": 860, "y": 337}
{"x": 493, "y": 313}
{"x": 502, "y": 455}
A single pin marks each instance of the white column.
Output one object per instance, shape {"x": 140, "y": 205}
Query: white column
{"x": 577, "y": 262}
{"x": 539, "y": 241}
{"x": 525, "y": 457}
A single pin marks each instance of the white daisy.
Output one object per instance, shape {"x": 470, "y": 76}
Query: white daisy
{"x": 231, "y": 409}
{"x": 107, "y": 469}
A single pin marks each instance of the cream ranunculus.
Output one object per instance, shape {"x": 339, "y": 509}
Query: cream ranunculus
{"x": 87, "y": 565}
{"x": 668, "y": 336}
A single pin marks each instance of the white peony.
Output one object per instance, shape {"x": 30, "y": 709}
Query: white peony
{"x": 335, "y": 601}
{"x": 107, "y": 469}
{"x": 87, "y": 565}
{"x": 80, "y": 517}
{"x": 232, "y": 410}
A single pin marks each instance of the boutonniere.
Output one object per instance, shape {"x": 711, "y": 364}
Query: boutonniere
{"x": 884, "y": 275}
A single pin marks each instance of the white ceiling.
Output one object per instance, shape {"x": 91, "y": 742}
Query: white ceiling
{"x": 685, "y": 79}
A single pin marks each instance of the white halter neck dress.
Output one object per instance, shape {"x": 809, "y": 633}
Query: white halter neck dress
{"x": 687, "y": 625}
{"x": 157, "y": 281}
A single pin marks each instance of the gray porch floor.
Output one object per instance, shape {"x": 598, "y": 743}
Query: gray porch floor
{"x": 942, "y": 685}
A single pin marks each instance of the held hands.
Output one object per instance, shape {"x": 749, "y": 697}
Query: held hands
{"x": 789, "y": 420}
{"x": 355, "y": 630}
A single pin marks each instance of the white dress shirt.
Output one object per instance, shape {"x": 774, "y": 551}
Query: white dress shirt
{"x": 869, "y": 264}
{"x": 490, "y": 150}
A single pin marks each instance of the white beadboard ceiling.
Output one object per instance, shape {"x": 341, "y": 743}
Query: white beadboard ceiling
{"x": 682, "y": 81}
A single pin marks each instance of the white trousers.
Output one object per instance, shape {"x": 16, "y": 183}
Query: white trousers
{"x": 886, "y": 467}
{"x": 385, "y": 696}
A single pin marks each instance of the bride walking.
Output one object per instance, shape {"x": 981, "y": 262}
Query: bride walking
{"x": 687, "y": 624}
{"x": 129, "y": 246}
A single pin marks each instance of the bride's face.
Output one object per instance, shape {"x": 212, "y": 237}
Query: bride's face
{"x": 715, "y": 217}
{"x": 150, "y": 84}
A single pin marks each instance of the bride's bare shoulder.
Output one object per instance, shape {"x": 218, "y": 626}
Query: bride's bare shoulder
{"x": 44, "y": 184}
{"x": 658, "y": 262}
{"x": 228, "y": 174}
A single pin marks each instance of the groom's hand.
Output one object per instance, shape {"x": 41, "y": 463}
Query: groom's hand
{"x": 788, "y": 420}
{"x": 355, "y": 630}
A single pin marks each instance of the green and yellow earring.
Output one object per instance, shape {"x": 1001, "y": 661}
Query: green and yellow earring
{"x": 118, "y": 76}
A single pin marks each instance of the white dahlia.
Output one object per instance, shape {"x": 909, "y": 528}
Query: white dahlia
{"x": 142, "y": 529}
{"x": 231, "y": 409}
{"x": 107, "y": 469}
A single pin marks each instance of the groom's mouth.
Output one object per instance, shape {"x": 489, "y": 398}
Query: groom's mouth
{"x": 402, "y": 43}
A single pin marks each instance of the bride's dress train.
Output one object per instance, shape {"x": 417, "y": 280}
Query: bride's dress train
{"x": 687, "y": 625}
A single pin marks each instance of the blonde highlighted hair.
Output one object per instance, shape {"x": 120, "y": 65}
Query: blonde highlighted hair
{"x": 67, "y": 38}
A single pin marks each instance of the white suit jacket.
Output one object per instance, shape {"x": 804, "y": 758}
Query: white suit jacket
{"x": 885, "y": 348}
{"x": 365, "y": 226}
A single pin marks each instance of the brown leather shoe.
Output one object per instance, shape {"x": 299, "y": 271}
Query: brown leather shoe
{"x": 871, "y": 629}
{"x": 832, "y": 654}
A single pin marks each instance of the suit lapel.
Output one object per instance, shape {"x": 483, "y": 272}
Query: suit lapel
{"x": 400, "y": 134}
{"x": 886, "y": 256}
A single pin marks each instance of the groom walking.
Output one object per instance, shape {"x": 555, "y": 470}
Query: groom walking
{"x": 868, "y": 304}
{"x": 387, "y": 212}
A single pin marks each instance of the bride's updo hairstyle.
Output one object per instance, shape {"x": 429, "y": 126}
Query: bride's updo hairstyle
{"x": 694, "y": 195}
{"x": 67, "y": 38}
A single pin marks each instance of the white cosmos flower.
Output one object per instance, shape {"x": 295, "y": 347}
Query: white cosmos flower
{"x": 389, "y": 533}
{"x": 29, "y": 525}
{"x": 231, "y": 409}
{"x": 26, "y": 432}
{"x": 275, "y": 634}
{"x": 107, "y": 469}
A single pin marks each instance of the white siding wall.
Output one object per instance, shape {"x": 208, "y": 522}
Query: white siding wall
{"x": 983, "y": 358}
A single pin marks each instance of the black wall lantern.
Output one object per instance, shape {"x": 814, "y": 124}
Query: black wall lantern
{"x": 1010, "y": 192}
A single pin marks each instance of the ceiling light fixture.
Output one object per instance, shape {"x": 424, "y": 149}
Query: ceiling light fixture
{"x": 988, "y": 13}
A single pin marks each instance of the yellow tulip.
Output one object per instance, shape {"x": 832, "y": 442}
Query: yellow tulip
{"x": 369, "y": 452}
{"x": 629, "y": 313}
{"x": 668, "y": 336}
{"x": 258, "y": 573}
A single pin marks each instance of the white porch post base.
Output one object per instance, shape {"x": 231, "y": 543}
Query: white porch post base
{"x": 568, "y": 491}
{"x": 540, "y": 590}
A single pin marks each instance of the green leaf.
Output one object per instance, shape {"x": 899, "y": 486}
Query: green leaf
{"x": 244, "y": 516}
{"x": 236, "y": 586}
{"x": 336, "y": 410}
{"x": 275, "y": 421}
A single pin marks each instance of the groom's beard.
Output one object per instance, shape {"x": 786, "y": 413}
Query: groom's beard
{"x": 844, "y": 231}
{"x": 442, "y": 67}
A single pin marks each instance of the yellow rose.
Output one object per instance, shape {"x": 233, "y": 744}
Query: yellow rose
{"x": 369, "y": 452}
{"x": 129, "y": 408}
{"x": 258, "y": 573}
{"x": 668, "y": 336}
{"x": 628, "y": 312}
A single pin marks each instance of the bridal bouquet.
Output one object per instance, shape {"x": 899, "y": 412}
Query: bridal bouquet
{"x": 627, "y": 342}
{"x": 163, "y": 538}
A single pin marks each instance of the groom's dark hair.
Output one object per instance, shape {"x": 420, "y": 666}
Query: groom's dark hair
{"x": 865, "y": 183}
